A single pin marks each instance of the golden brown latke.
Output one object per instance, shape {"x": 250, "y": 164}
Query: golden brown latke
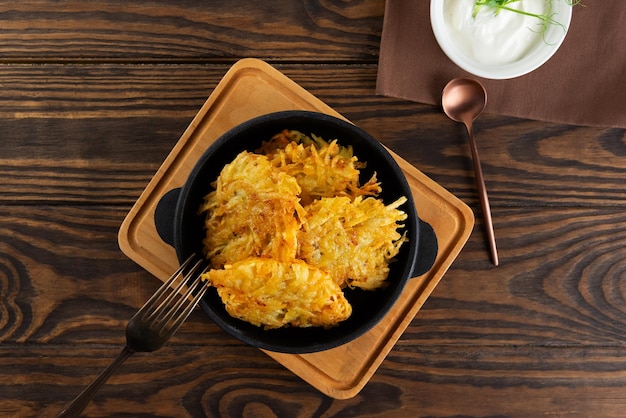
{"x": 274, "y": 294}
{"x": 287, "y": 229}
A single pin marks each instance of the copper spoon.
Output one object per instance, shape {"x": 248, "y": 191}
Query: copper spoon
{"x": 463, "y": 99}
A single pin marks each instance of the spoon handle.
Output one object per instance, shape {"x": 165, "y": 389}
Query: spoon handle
{"x": 482, "y": 194}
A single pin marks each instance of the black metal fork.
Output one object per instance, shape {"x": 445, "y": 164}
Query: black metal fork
{"x": 157, "y": 320}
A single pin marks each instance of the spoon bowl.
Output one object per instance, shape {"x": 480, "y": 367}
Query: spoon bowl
{"x": 463, "y": 99}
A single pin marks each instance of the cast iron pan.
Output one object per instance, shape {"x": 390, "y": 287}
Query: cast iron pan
{"x": 179, "y": 224}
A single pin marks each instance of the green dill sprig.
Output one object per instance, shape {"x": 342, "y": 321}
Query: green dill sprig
{"x": 545, "y": 19}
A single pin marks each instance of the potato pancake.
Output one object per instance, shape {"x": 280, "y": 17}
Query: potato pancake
{"x": 251, "y": 212}
{"x": 354, "y": 241}
{"x": 289, "y": 228}
{"x": 273, "y": 294}
{"x": 322, "y": 169}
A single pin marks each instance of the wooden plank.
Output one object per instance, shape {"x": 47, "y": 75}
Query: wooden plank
{"x": 226, "y": 381}
{"x": 64, "y": 279}
{"x": 109, "y": 30}
{"x": 561, "y": 280}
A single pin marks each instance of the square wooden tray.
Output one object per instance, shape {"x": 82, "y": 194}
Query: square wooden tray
{"x": 252, "y": 88}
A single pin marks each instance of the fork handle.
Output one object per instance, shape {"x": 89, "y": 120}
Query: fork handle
{"x": 81, "y": 401}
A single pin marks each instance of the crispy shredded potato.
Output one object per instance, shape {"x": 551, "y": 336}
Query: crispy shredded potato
{"x": 289, "y": 226}
{"x": 352, "y": 240}
{"x": 322, "y": 169}
{"x": 274, "y": 294}
{"x": 251, "y": 212}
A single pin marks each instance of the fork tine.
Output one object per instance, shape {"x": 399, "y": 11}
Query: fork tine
{"x": 197, "y": 288}
{"x": 167, "y": 303}
{"x": 164, "y": 287}
{"x": 179, "y": 314}
{"x": 170, "y": 306}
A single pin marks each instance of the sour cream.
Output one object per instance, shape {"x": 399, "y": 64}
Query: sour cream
{"x": 494, "y": 39}
{"x": 503, "y": 45}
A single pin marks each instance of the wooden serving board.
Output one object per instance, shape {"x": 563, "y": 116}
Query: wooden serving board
{"x": 252, "y": 88}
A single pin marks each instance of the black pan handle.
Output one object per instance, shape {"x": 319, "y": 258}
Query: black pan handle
{"x": 164, "y": 215}
{"x": 426, "y": 250}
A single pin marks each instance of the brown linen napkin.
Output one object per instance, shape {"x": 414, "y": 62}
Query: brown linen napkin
{"x": 584, "y": 83}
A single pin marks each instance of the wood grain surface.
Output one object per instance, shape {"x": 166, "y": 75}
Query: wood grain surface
{"x": 93, "y": 96}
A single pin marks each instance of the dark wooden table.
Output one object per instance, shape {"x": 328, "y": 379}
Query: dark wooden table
{"x": 93, "y": 96}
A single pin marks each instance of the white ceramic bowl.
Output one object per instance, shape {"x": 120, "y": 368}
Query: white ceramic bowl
{"x": 536, "y": 55}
